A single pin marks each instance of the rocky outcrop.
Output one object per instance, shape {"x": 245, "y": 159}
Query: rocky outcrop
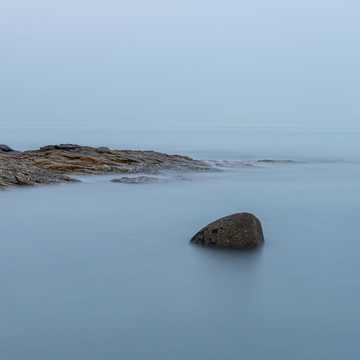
{"x": 75, "y": 159}
{"x": 24, "y": 172}
{"x": 5, "y": 148}
{"x": 51, "y": 164}
{"x": 237, "y": 231}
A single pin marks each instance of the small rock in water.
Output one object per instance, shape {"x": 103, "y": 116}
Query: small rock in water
{"x": 272, "y": 161}
{"x": 137, "y": 180}
{"x": 237, "y": 231}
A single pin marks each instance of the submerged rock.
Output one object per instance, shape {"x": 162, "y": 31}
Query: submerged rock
{"x": 139, "y": 180}
{"x": 237, "y": 231}
{"x": 272, "y": 161}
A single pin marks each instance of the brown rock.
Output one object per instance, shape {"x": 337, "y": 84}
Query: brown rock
{"x": 14, "y": 171}
{"x": 237, "y": 231}
{"x": 76, "y": 159}
{"x": 50, "y": 163}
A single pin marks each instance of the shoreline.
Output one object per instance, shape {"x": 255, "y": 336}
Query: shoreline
{"x": 54, "y": 163}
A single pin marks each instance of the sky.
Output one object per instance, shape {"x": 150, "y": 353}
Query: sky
{"x": 180, "y": 62}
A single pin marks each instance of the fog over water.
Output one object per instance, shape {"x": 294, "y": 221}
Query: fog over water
{"x": 303, "y": 144}
{"x": 104, "y": 270}
{"x": 217, "y": 62}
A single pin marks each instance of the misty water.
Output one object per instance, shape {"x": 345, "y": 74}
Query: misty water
{"x": 102, "y": 270}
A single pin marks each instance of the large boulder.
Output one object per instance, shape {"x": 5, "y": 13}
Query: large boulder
{"x": 237, "y": 231}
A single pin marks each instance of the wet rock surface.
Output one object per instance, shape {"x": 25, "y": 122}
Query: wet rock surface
{"x": 139, "y": 180}
{"x": 24, "y": 172}
{"x": 51, "y": 164}
{"x": 237, "y": 231}
{"x": 272, "y": 161}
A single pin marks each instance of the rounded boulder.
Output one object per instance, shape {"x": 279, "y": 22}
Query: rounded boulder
{"x": 236, "y": 231}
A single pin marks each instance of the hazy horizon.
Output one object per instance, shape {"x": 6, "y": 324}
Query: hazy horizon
{"x": 257, "y": 101}
{"x": 180, "y": 63}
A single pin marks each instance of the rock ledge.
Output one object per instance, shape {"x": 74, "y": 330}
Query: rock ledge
{"x": 53, "y": 163}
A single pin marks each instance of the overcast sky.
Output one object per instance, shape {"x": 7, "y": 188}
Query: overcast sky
{"x": 180, "y": 62}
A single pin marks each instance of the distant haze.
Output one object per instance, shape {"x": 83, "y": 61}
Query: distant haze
{"x": 180, "y": 62}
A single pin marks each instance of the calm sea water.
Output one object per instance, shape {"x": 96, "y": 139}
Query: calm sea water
{"x": 103, "y": 270}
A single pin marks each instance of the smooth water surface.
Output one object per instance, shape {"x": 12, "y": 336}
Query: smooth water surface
{"x": 103, "y": 270}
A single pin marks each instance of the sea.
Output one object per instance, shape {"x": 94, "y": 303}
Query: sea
{"x": 104, "y": 271}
